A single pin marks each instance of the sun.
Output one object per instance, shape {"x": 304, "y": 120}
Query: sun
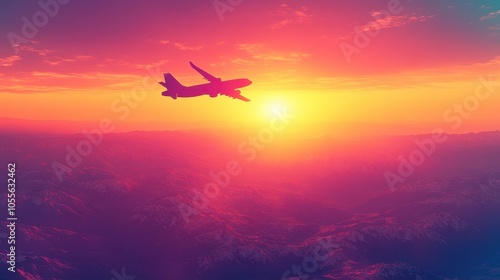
{"x": 274, "y": 107}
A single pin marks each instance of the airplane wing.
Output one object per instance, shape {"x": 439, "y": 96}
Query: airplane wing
{"x": 205, "y": 74}
{"x": 237, "y": 96}
{"x": 240, "y": 97}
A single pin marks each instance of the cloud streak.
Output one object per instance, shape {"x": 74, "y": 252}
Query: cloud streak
{"x": 491, "y": 15}
{"x": 181, "y": 46}
{"x": 290, "y": 15}
{"x": 392, "y": 21}
{"x": 260, "y": 54}
{"x": 9, "y": 61}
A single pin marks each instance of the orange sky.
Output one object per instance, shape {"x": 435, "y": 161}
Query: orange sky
{"x": 424, "y": 59}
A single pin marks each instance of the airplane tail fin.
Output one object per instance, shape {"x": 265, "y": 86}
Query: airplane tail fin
{"x": 172, "y": 86}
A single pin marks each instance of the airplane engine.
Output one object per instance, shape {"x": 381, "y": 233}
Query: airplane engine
{"x": 168, "y": 93}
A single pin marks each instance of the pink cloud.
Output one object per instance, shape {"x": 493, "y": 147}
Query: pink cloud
{"x": 391, "y": 21}
{"x": 260, "y": 54}
{"x": 181, "y": 46}
{"x": 127, "y": 64}
{"x": 184, "y": 47}
{"x": 59, "y": 60}
{"x": 33, "y": 49}
{"x": 290, "y": 15}
{"x": 9, "y": 61}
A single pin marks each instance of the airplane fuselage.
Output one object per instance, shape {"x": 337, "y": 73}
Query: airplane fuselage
{"x": 212, "y": 89}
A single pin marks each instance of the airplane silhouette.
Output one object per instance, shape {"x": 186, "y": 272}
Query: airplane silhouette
{"x": 213, "y": 89}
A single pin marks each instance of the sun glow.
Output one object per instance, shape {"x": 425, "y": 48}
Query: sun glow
{"x": 275, "y": 104}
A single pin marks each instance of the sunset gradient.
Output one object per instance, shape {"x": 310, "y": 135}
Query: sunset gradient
{"x": 365, "y": 143}
{"x": 104, "y": 59}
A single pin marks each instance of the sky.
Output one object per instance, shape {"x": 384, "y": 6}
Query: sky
{"x": 397, "y": 63}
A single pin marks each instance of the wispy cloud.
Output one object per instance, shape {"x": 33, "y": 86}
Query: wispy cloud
{"x": 9, "y": 61}
{"x": 56, "y": 82}
{"x": 33, "y": 49}
{"x": 392, "y": 21}
{"x": 491, "y": 15}
{"x": 184, "y": 47}
{"x": 59, "y": 60}
{"x": 260, "y": 54}
{"x": 45, "y": 55}
{"x": 439, "y": 77}
{"x": 492, "y": 62}
{"x": 89, "y": 76}
{"x": 128, "y": 64}
{"x": 181, "y": 46}
{"x": 290, "y": 15}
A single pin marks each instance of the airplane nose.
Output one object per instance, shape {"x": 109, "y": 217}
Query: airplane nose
{"x": 249, "y": 82}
